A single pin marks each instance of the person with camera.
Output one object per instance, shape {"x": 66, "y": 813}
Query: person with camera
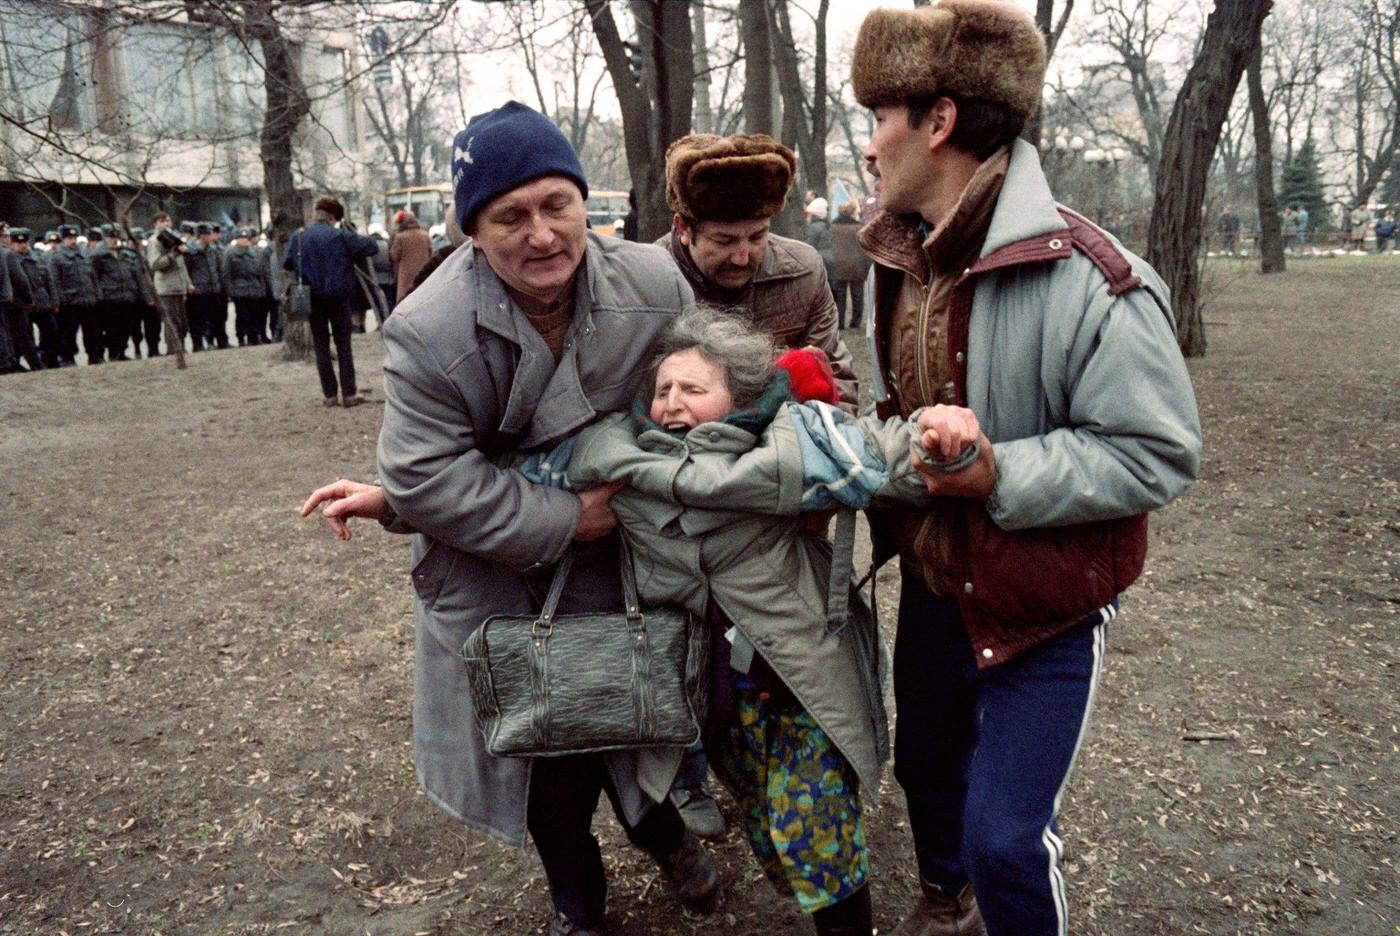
{"x": 166, "y": 254}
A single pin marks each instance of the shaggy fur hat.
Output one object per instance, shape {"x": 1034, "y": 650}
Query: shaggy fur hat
{"x": 987, "y": 49}
{"x": 733, "y": 178}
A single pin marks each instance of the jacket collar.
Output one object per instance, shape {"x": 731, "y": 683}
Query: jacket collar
{"x": 736, "y": 427}
{"x": 779, "y": 263}
{"x": 547, "y": 400}
{"x": 1026, "y": 225}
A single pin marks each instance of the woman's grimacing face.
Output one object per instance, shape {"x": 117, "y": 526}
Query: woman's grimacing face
{"x": 690, "y": 390}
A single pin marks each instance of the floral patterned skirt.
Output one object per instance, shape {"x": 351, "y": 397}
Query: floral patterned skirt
{"x": 798, "y": 795}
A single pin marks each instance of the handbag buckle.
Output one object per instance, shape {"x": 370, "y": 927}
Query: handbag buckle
{"x": 535, "y": 625}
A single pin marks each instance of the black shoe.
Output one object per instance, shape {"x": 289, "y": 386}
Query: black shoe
{"x": 851, "y": 917}
{"x": 692, "y": 875}
{"x": 561, "y": 925}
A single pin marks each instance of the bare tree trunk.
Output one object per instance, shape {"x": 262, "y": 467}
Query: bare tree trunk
{"x": 809, "y": 137}
{"x": 656, "y": 110}
{"x": 758, "y": 67}
{"x": 1271, "y": 258}
{"x": 287, "y": 105}
{"x": 704, "y": 116}
{"x": 1051, "y": 30}
{"x": 1174, "y": 236}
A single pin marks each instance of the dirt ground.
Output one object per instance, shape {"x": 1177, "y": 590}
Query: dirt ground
{"x": 206, "y": 698}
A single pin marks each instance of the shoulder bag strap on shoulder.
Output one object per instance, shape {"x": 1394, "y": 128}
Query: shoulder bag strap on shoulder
{"x": 838, "y": 591}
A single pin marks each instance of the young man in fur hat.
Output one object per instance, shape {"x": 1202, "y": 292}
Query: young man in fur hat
{"x": 1061, "y": 346}
{"x": 724, "y": 192}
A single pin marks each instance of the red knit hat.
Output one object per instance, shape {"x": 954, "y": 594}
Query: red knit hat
{"x": 811, "y": 375}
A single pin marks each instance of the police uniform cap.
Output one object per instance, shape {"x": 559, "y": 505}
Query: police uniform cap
{"x": 51, "y": 237}
{"x": 186, "y": 227}
{"x": 67, "y": 230}
{"x": 138, "y": 233}
{"x": 20, "y": 234}
{"x": 94, "y": 234}
{"x": 203, "y": 228}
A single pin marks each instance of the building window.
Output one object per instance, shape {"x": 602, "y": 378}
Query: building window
{"x": 48, "y": 65}
{"x": 172, "y": 82}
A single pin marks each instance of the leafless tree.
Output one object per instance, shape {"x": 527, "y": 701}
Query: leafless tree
{"x": 1271, "y": 259}
{"x": 1371, "y": 57}
{"x": 1052, "y": 28}
{"x": 1188, "y": 148}
{"x": 656, "y": 101}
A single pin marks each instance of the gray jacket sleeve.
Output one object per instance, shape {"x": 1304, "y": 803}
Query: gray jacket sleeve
{"x": 1133, "y": 441}
{"x": 439, "y": 483}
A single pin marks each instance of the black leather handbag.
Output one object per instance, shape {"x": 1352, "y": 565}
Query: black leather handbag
{"x": 548, "y": 685}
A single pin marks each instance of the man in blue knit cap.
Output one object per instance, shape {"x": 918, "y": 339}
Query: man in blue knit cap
{"x": 515, "y": 342}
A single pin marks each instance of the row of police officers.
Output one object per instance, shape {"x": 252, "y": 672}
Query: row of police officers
{"x": 105, "y": 289}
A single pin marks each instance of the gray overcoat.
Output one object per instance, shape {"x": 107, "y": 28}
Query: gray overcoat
{"x": 467, "y": 379}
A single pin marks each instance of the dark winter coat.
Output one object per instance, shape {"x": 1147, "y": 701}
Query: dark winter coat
{"x": 118, "y": 275}
{"x": 324, "y": 256}
{"x": 851, "y": 262}
{"x": 14, "y": 285}
{"x": 245, "y": 273}
{"x": 40, "y": 276}
{"x": 72, "y": 273}
{"x": 202, "y": 262}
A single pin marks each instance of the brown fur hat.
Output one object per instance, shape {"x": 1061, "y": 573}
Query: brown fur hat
{"x": 987, "y": 49}
{"x": 733, "y": 178}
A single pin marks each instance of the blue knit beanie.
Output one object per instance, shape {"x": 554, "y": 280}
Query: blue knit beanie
{"x": 503, "y": 149}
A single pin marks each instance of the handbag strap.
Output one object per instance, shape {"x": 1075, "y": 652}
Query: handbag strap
{"x": 629, "y": 583}
{"x": 843, "y": 565}
{"x": 561, "y": 576}
{"x": 556, "y": 588}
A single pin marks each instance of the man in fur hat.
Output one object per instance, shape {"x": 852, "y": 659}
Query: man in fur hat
{"x": 1059, "y": 346}
{"x": 724, "y": 192}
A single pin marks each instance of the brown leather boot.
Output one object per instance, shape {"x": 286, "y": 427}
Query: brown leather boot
{"x": 692, "y": 875}
{"x": 940, "y": 915}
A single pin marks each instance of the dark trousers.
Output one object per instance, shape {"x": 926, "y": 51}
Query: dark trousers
{"x": 117, "y": 318}
{"x": 21, "y": 335}
{"x": 70, "y": 317}
{"x": 216, "y": 321}
{"x": 330, "y": 315}
{"x": 250, "y": 320}
{"x": 88, "y": 318}
{"x": 50, "y": 344}
{"x": 563, "y": 796}
{"x": 147, "y": 318}
{"x": 7, "y": 348}
{"x": 857, "y": 291}
{"x": 198, "y": 307}
{"x": 983, "y": 757}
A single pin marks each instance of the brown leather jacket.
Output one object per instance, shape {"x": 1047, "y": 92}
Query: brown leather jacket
{"x": 788, "y": 298}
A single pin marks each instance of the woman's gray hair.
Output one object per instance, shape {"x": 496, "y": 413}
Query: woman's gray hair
{"x": 724, "y": 336}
